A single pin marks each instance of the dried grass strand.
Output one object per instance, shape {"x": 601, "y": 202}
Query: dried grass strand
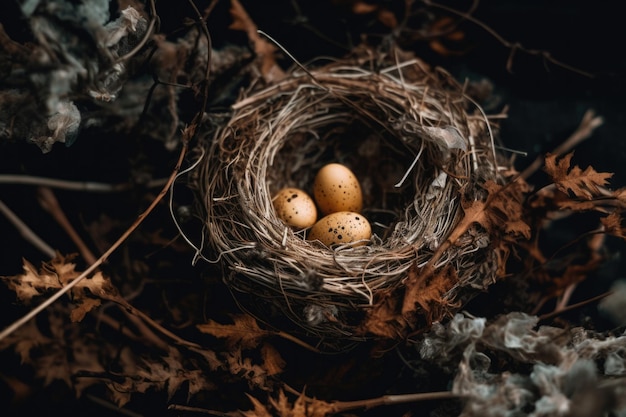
{"x": 409, "y": 119}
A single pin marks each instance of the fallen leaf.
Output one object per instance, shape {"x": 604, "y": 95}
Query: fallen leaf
{"x": 505, "y": 208}
{"x": 24, "y": 340}
{"x": 259, "y": 409}
{"x": 243, "y": 367}
{"x": 302, "y": 407}
{"x": 501, "y": 214}
{"x": 612, "y": 224}
{"x": 272, "y": 361}
{"x": 54, "y": 275}
{"x": 83, "y": 306}
{"x": 427, "y": 291}
{"x": 583, "y": 184}
{"x": 281, "y": 405}
{"x": 244, "y": 332}
{"x": 383, "y": 318}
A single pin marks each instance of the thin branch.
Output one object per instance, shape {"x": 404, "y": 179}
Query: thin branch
{"x": 513, "y": 46}
{"x": 49, "y": 202}
{"x": 571, "y": 307}
{"x": 586, "y": 128}
{"x": 33, "y": 313}
{"x": 342, "y": 406}
{"x": 26, "y": 232}
{"x": 88, "y": 186}
{"x": 207, "y": 71}
{"x": 133, "y": 310}
{"x": 189, "y": 409}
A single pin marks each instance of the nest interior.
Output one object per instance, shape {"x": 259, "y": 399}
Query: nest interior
{"x": 418, "y": 144}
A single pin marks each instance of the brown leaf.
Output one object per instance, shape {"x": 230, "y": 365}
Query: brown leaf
{"x": 387, "y": 18}
{"x": 272, "y": 361}
{"x": 505, "y": 209}
{"x": 54, "y": 275}
{"x": 574, "y": 205}
{"x": 31, "y": 284}
{"x": 302, "y": 407}
{"x": 83, "y": 306}
{"x": 427, "y": 291}
{"x": 583, "y": 184}
{"x": 299, "y": 408}
{"x": 384, "y": 318}
{"x": 501, "y": 215}
{"x": 281, "y": 405}
{"x": 612, "y": 225}
{"x": 24, "y": 340}
{"x": 244, "y": 332}
{"x": 243, "y": 367}
{"x": 259, "y": 409}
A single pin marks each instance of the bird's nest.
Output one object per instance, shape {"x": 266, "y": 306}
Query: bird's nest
{"x": 418, "y": 143}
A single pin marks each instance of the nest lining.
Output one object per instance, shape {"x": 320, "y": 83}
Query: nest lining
{"x": 416, "y": 142}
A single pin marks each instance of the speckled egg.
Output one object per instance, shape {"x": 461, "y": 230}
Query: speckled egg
{"x": 342, "y": 227}
{"x": 295, "y": 207}
{"x": 336, "y": 188}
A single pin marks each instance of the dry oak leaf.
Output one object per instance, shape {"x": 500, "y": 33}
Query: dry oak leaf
{"x": 24, "y": 340}
{"x": 244, "y": 332}
{"x": 384, "y": 318}
{"x": 501, "y": 214}
{"x": 612, "y": 224}
{"x": 506, "y": 208}
{"x": 243, "y": 367}
{"x": 428, "y": 291}
{"x": 164, "y": 373}
{"x": 282, "y": 407}
{"x": 273, "y": 363}
{"x": 583, "y": 184}
{"x": 259, "y": 409}
{"x": 54, "y": 275}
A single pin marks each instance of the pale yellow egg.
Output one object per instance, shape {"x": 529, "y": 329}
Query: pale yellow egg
{"x": 295, "y": 207}
{"x": 336, "y": 188}
{"x": 342, "y": 227}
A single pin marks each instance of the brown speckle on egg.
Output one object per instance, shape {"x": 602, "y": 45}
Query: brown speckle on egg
{"x": 295, "y": 207}
{"x": 343, "y": 227}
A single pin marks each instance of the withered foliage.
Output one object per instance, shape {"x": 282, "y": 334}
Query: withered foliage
{"x": 113, "y": 337}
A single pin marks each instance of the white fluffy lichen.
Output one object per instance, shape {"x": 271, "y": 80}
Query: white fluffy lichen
{"x": 76, "y": 55}
{"x": 568, "y": 372}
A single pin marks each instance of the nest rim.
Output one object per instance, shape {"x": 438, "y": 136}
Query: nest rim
{"x": 326, "y": 292}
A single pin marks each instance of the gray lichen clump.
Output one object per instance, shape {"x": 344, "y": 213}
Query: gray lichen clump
{"x": 76, "y": 53}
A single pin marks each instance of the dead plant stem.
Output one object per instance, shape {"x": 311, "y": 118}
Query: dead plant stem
{"x": 49, "y": 202}
{"x": 513, "y": 46}
{"x": 131, "y": 309}
{"x": 26, "y": 232}
{"x": 34, "y": 312}
{"x": 342, "y": 406}
{"x": 586, "y": 128}
{"x": 94, "y": 187}
{"x": 570, "y": 307}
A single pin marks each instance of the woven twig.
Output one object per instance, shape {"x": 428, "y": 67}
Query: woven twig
{"x": 416, "y": 142}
